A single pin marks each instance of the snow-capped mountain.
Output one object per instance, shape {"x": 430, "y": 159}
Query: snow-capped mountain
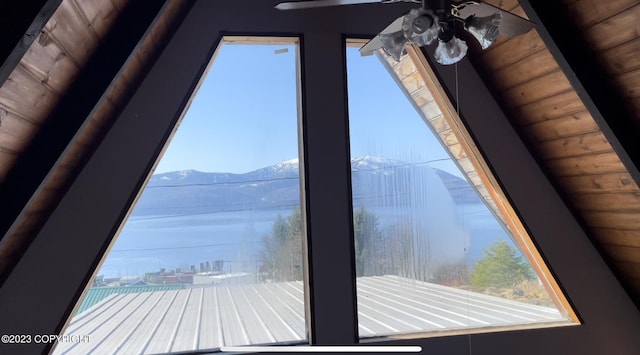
{"x": 285, "y": 169}
{"x": 367, "y": 162}
{"x": 189, "y": 177}
{"x": 277, "y": 186}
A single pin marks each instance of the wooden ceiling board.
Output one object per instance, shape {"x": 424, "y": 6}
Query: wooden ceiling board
{"x": 566, "y": 126}
{"x": 621, "y": 59}
{"x": 586, "y": 165}
{"x": 588, "y": 12}
{"x": 621, "y": 237}
{"x": 537, "y": 88}
{"x": 615, "y": 30}
{"x": 563, "y": 104}
{"x": 49, "y": 64}
{"x": 25, "y": 96}
{"x": 72, "y": 33}
{"x": 628, "y": 201}
{"x": 535, "y": 65}
{"x": 609, "y": 184}
{"x": 613, "y": 220}
{"x": 519, "y": 48}
{"x": 578, "y": 145}
{"x": 21, "y": 23}
{"x": 623, "y": 253}
{"x": 629, "y": 84}
{"x": 14, "y": 130}
{"x": 99, "y": 14}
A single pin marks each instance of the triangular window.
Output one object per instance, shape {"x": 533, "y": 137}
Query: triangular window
{"x": 437, "y": 245}
{"x": 211, "y": 253}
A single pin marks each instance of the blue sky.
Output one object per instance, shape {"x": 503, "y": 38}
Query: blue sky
{"x": 244, "y": 115}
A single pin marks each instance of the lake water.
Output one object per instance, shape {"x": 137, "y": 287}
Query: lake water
{"x": 149, "y": 243}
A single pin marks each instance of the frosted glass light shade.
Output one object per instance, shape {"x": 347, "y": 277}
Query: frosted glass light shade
{"x": 420, "y": 27}
{"x": 485, "y": 29}
{"x": 393, "y": 44}
{"x": 450, "y": 52}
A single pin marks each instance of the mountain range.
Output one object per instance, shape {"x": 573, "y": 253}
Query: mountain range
{"x": 277, "y": 186}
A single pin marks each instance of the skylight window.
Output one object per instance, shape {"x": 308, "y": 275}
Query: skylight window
{"x": 211, "y": 254}
{"x": 437, "y": 248}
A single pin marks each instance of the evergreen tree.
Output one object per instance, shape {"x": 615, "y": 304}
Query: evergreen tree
{"x": 368, "y": 240}
{"x": 500, "y": 267}
{"x": 293, "y": 247}
{"x": 280, "y": 229}
{"x": 281, "y": 254}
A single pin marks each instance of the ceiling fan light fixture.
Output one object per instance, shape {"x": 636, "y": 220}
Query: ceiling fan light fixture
{"x": 393, "y": 44}
{"x": 420, "y": 26}
{"x": 451, "y": 51}
{"x": 484, "y": 29}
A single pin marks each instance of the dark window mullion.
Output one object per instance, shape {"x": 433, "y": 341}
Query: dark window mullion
{"x": 327, "y": 181}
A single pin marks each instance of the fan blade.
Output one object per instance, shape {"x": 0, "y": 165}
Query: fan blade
{"x": 375, "y": 44}
{"x": 295, "y": 5}
{"x": 512, "y": 25}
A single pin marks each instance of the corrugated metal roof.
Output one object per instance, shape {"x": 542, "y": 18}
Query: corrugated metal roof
{"x": 391, "y": 305}
{"x": 226, "y": 315}
{"x": 97, "y": 294}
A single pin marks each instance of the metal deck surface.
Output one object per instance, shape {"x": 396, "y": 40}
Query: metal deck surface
{"x": 232, "y": 315}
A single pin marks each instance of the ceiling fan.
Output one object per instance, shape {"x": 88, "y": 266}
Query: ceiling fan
{"x": 434, "y": 20}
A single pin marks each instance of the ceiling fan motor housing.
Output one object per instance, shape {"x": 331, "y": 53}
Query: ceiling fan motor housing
{"x": 422, "y": 23}
{"x": 439, "y": 7}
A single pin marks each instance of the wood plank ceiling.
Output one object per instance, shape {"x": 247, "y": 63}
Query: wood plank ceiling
{"x": 30, "y": 94}
{"x": 562, "y": 133}
{"x": 525, "y": 77}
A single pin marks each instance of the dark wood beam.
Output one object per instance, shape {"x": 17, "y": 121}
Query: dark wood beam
{"x": 33, "y": 165}
{"x": 588, "y": 78}
{"x": 20, "y": 24}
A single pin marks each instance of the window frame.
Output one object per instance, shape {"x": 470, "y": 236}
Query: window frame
{"x": 416, "y": 78}
{"x": 469, "y": 159}
{"x": 226, "y": 40}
